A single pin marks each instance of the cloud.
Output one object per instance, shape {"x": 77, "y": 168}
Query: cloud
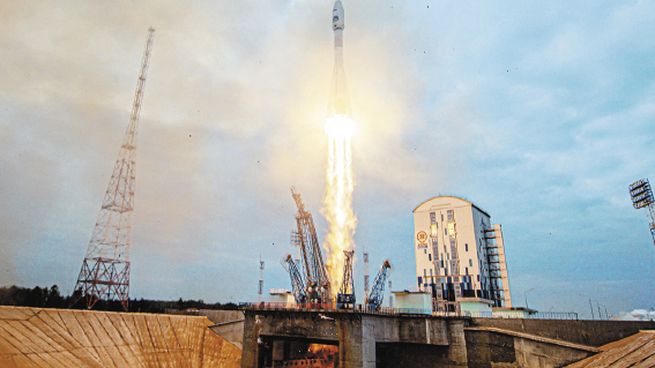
{"x": 635, "y": 315}
{"x": 232, "y": 116}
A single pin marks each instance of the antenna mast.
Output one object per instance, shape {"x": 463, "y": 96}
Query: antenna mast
{"x": 105, "y": 273}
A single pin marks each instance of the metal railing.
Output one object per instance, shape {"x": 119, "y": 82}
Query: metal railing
{"x": 524, "y": 315}
{"x": 360, "y": 308}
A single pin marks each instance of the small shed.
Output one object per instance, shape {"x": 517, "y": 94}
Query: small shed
{"x": 413, "y": 302}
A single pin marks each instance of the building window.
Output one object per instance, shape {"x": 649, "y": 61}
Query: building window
{"x": 466, "y": 270}
{"x": 442, "y": 266}
{"x": 430, "y": 257}
{"x": 433, "y": 230}
{"x": 451, "y": 215}
{"x": 470, "y": 262}
{"x": 466, "y": 247}
{"x": 433, "y": 217}
{"x": 478, "y": 276}
{"x": 425, "y": 251}
{"x": 442, "y": 217}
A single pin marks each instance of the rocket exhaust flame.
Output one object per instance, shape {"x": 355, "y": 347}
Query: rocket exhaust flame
{"x": 339, "y": 127}
{"x": 337, "y": 205}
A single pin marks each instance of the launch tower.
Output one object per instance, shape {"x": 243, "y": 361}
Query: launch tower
{"x": 105, "y": 273}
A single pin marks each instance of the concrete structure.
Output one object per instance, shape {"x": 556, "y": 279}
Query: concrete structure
{"x": 226, "y": 323}
{"x": 274, "y": 337}
{"x": 491, "y": 347}
{"x": 502, "y": 342}
{"x": 38, "y": 337}
{"x": 294, "y": 337}
{"x": 413, "y": 302}
{"x": 459, "y": 254}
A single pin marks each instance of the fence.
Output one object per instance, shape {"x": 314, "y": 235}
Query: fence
{"x": 360, "y": 308}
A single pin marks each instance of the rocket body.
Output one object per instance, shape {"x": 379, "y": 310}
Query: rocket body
{"x": 339, "y": 104}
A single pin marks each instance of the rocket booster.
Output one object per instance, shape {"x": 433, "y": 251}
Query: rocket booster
{"x": 339, "y": 104}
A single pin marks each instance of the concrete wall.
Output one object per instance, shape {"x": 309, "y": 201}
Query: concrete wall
{"x": 231, "y": 331}
{"x": 534, "y": 354}
{"x": 220, "y": 316}
{"x": 394, "y": 355}
{"x": 586, "y": 332}
{"x": 492, "y": 350}
{"x": 485, "y": 350}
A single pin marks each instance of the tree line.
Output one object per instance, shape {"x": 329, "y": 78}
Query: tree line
{"x": 50, "y": 297}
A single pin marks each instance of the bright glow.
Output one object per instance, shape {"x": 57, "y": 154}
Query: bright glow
{"x": 337, "y": 205}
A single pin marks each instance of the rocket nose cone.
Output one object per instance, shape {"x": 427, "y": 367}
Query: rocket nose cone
{"x": 337, "y": 15}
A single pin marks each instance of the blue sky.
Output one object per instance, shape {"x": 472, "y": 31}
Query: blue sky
{"x": 540, "y": 113}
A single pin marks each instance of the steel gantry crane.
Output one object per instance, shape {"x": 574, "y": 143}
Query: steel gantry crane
{"x": 297, "y": 282}
{"x": 317, "y": 283}
{"x": 376, "y": 297}
{"x": 346, "y": 296}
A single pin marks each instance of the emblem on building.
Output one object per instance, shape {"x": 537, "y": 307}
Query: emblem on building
{"x": 422, "y": 238}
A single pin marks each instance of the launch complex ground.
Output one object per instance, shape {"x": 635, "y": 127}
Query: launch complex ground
{"x": 263, "y": 336}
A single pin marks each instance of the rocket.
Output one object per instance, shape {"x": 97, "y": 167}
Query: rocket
{"x": 337, "y": 16}
{"x": 339, "y": 104}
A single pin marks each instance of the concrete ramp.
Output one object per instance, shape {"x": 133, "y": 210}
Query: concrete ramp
{"x": 637, "y": 350}
{"x": 37, "y": 337}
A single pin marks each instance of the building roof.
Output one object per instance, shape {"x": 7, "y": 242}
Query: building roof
{"x": 39, "y": 337}
{"x": 637, "y": 350}
{"x": 408, "y": 292}
{"x": 449, "y": 196}
{"x": 514, "y": 309}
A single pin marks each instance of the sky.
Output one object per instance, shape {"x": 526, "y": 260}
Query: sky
{"x": 541, "y": 113}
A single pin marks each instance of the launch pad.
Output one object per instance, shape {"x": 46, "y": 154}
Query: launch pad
{"x": 273, "y": 338}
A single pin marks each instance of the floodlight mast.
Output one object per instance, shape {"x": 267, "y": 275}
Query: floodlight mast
{"x": 641, "y": 194}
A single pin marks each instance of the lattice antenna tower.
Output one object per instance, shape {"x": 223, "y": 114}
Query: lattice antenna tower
{"x": 260, "y": 286}
{"x": 366, "y": 272}
{"x": 105, "y": 273}
{"x": 642, "y": 197}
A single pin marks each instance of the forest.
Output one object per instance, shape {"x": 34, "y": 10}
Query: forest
{"x": 50, "y": 297}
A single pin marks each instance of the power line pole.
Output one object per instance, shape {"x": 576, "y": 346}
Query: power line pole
{"x": 105, "y": 273}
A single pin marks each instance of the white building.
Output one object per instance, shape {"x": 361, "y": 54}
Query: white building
{"x": 413, "y": 302}
{"x": 282, "y": 297}
{"x": 460, "y": 256}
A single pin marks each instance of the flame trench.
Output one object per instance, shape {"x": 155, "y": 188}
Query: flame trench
{"x": 337, "y": 205}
